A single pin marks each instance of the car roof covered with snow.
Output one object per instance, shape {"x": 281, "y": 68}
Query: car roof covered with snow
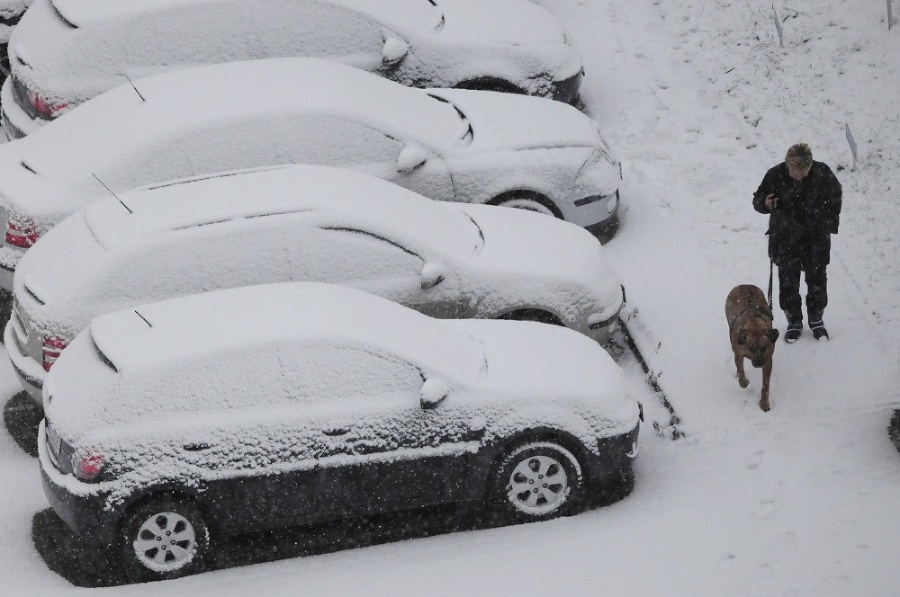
{"x": 186, "y": 328}
{"x": 492, "y": 20}
{"x": 330, "y": 196}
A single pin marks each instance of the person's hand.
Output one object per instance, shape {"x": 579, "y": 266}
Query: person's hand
{"x": 771, "y": 201}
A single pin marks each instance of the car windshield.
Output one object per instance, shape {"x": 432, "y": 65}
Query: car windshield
{"x": 466, "y": 133}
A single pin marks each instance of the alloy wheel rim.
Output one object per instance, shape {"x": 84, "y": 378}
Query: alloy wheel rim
{"x": 538, "y": 485}
{"x": 165, "y": 541}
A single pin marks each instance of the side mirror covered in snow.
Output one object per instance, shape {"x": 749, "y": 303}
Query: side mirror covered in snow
{"x": 394, "y": 50}
{"x": 434, "y": 390}
{"x": 411, "y": 158}
{"x": 432, "y": 275}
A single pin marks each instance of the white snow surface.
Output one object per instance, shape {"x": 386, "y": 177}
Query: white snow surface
{"x": 699, "y": 99}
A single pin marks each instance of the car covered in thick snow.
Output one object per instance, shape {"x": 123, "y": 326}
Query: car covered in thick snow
{"x": 11, "y": 12}
{"x": 447, "y": 144}
{"x": 65, "y": 52}
{"x": 173, "y": 423}
{"x": 304, "y": 223}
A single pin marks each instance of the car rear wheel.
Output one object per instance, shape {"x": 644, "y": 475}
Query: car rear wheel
{"x": 894, "y": 429}
{"x": 538, "y": 481}
{"x": 163, "y": 538}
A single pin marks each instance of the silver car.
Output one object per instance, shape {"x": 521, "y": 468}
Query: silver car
{"x": 304, "y": 223}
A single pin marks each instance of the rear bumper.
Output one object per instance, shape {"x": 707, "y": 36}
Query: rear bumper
{"x": 16, "y": 122}
{"x": 9, "y": 259}
{"x": 30, "y": 373}
{"x": 81, "y": 506}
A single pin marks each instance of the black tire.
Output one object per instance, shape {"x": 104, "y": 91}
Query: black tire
{"x": 532, "y": 315}
{"x": 530, "y": 202}
{"x": 537, "y": 480}
{"x": 163, "y": 538}
{"x": 490, "y": 84}
{"x": 894, "y": 429}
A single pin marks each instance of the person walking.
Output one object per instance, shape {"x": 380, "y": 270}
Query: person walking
{"x": 803, "y": 200}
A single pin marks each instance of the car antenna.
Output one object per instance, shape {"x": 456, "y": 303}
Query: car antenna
{"x": 133, "y": 86}
{"x": 111, "y": 193}
{"x": 144, "y": 318}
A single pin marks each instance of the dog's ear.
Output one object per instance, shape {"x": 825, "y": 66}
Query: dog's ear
{"x": 742, "y": 337}
{"x": 773, "y": 335}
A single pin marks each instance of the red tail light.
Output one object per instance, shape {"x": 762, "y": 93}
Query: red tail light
{"x": 21, "y": 231}
{"x": 53, "y": 345}
{"x": 88, "y": 465}
{"x": 45, "y": 108}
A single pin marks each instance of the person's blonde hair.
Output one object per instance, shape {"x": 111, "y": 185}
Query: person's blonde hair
{"x": 799, "y": 156}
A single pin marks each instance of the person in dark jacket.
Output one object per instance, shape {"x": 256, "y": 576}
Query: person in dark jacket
{"x": 803, "y": 198}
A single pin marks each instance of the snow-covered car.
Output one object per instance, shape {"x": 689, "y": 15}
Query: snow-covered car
{"x": 11, "y": 12}
{"x": 447, "y": 144}
{"x": 173, "y": 423}
{"x": 65, "y": 52}
{"x": 304, "y": 223}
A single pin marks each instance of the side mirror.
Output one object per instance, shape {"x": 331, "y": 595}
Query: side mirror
{"x": 410, "y": 158}
{"x": 432, "y": 275}
{"x": 394, "y": 50}
{"x": 434, "y": 390}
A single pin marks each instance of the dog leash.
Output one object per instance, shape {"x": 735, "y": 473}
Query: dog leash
{"x": 771, "y": 307}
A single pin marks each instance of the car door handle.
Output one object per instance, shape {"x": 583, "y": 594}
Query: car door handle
{"x": 336, "y": 432}
{"x": 196, "y": 447}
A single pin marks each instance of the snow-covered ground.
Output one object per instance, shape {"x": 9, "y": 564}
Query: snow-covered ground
{"x": 699, "y": 99}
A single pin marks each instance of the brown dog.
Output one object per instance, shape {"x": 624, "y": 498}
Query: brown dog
{"x": 752, "y": 335}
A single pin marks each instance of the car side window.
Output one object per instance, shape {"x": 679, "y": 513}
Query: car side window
{"x": 199, "y": 33}
{"x": 310, "y": 28}
{"x": 336, "y": 141}
{"x": 324, "y": 373}
{"x": 372, "y": 257}
{"x": 250, "y": 143}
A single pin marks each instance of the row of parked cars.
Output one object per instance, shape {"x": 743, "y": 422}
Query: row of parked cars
{"x": 240, "y": 306}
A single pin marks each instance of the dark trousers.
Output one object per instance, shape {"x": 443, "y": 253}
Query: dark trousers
{"x": 789, "y": 291}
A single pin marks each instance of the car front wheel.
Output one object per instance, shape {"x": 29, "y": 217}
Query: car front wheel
{"x": 164, "y": 538}
{"x": 529, "y": 203}
{"x": 538, "y": 481}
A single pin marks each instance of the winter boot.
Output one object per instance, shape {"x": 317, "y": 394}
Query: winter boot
{"x": 818, "y": 330}
{"x": 794, "y": 328}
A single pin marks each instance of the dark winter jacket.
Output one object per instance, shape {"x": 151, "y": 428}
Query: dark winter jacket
{"x": 806, "y": 215}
